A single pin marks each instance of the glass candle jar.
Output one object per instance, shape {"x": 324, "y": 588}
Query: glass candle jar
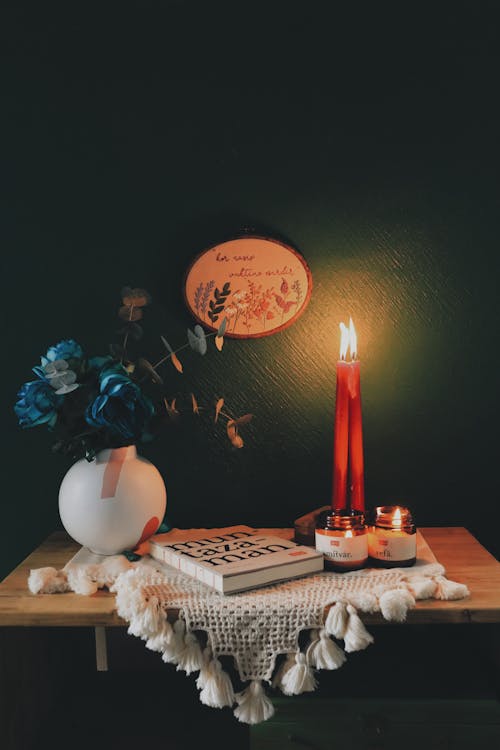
{"x": 341, "y": 537}
{"x": 392, "y": 538}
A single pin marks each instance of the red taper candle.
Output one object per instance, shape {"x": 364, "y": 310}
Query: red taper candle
{"x": 356, "y": 458}
{"x": 348, "y": 462}
{"x": 341, "y": 437}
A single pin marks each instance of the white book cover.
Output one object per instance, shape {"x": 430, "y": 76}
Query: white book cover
{"x": 238, "y": 561}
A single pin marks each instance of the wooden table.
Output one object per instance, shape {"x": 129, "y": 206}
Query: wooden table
{"x": 464, "y": 558}
{"x": 47, "y": 648}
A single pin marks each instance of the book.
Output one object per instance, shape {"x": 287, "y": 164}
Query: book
{"x": 238, "y": 561}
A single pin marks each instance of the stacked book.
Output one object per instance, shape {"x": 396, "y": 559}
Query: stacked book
{"x": 237, "y": 561}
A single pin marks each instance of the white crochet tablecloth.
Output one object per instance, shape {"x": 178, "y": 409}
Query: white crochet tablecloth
{"x": 253, "y": 627}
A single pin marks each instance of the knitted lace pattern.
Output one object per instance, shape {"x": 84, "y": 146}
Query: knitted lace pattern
{"x": 254, "y": 627}
{"x": 314, "y": 621}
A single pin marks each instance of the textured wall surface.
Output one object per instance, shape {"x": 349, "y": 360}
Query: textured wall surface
{"x": 133, "y": 141}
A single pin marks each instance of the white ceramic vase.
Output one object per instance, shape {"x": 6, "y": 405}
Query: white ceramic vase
{"x": 114, "y": 502}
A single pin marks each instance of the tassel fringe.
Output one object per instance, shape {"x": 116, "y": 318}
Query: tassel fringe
{"x": 323, "y": 653}
{"x": 176, "y": 643}
{"x": 191, "y": 657}
{"x": 217, "y": 689}
{"x": 253, "y": 704}
{"x": 356, "y": 637}
{"x": 202, "y": 678}
{"x": 449, "y": 590}
{"x": 162, "y": 639}
{"x": 421, "y": 587}
{"x": 148, "y": 618}
{"x": 337, "y": 620}
{"x": 299, "y": 678}
{"x": 81, "y": 581}
{"x": 287, "y": 664}
{"x": 48, "y": 581}
{"x": 394, "y": 604}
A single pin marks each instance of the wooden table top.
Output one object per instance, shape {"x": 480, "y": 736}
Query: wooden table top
{"x": 463, "y": 557}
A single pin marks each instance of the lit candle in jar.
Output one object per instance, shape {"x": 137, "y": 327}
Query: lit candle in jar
{"x": 341, "y": 537}
{"x": 392, "y": 539}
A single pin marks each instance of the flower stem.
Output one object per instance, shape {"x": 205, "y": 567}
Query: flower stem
{"x": 126, "y": 334}
{"x": 184, "y": 346}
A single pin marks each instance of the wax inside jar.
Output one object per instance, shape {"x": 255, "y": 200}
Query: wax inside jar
{"x": 392, "y": 547}
{"x": 343, "y": 550}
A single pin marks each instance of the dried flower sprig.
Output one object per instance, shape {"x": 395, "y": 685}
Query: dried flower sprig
{"x": 133, "y": 301}
{"x": 232, "y": 423}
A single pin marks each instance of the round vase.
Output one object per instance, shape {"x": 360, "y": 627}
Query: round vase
{"x": 114, "y": 502}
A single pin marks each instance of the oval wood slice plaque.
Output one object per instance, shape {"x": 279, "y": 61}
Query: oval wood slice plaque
{"x": 258, "y": 284}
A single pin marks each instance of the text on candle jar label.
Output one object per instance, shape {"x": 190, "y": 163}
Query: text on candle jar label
{"x": 342, "y": 548}
{"x": 384, "y": 547}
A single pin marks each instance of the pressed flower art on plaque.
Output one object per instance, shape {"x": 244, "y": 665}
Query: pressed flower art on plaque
{"x": 258, "y": 284}
{"x": 98, "y": 408}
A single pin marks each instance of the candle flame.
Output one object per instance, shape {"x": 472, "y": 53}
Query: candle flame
{"x": 396, "y": 519}
{"x": 344, "y": 340}
{"x": 348, "y": 340}
{"x": 348, "y": 534}
{"x": 353, "y": 339}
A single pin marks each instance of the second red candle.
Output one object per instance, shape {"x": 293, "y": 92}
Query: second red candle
{"x": 348, "y": 461}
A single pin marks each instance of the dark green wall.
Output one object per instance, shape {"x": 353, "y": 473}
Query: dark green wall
{"x": 133, "y": 138}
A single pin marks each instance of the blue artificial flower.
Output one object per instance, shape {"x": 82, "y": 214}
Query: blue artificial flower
{"x": 67, "y": 349}
{"x": 121, "y": 407}
{"x": 37, "y": 404}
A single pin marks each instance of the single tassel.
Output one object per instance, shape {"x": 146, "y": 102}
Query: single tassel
{"x": 336, "y": 620}
{"x": 253, "y": 704}
{"x": 160, "y": 641}
{"x": 299, "y": 678}
{"x": 81, "y": 581}
{"x": 324, "y": 653}
{"x": 449, "y": 590}
{"x": 205, "y": 672}
{"x": 47, "y": 581}
{"x": 421, "y": 587}
{"x": 364, "y": 601}
{"x": 394, "y": 604}
{"x": 356, "y": 637}
{"x": 128, "y": 601}
{"x": 176, "y": 643}
{"x": 130, "y": 580}
{"x": 147, "y": 619}
{"x": 217, "y": 691}
{"x": 287, "y": 664}
{"x": 190, "y": 658}
{"x": 108, "y": 571}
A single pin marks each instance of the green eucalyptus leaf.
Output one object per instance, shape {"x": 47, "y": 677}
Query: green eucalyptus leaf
{"x": 192, "y": 340}
{"x": 202, "y": 341}
{"x": 197, "y": 340}
{"x": 166, "y": 344}
{"x": 222, "y": 328}
{"x": 144, "y": 364}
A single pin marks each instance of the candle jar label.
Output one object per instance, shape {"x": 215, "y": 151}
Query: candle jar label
{"x": 342, "y": 549}
{"x": 381, "y": 546}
